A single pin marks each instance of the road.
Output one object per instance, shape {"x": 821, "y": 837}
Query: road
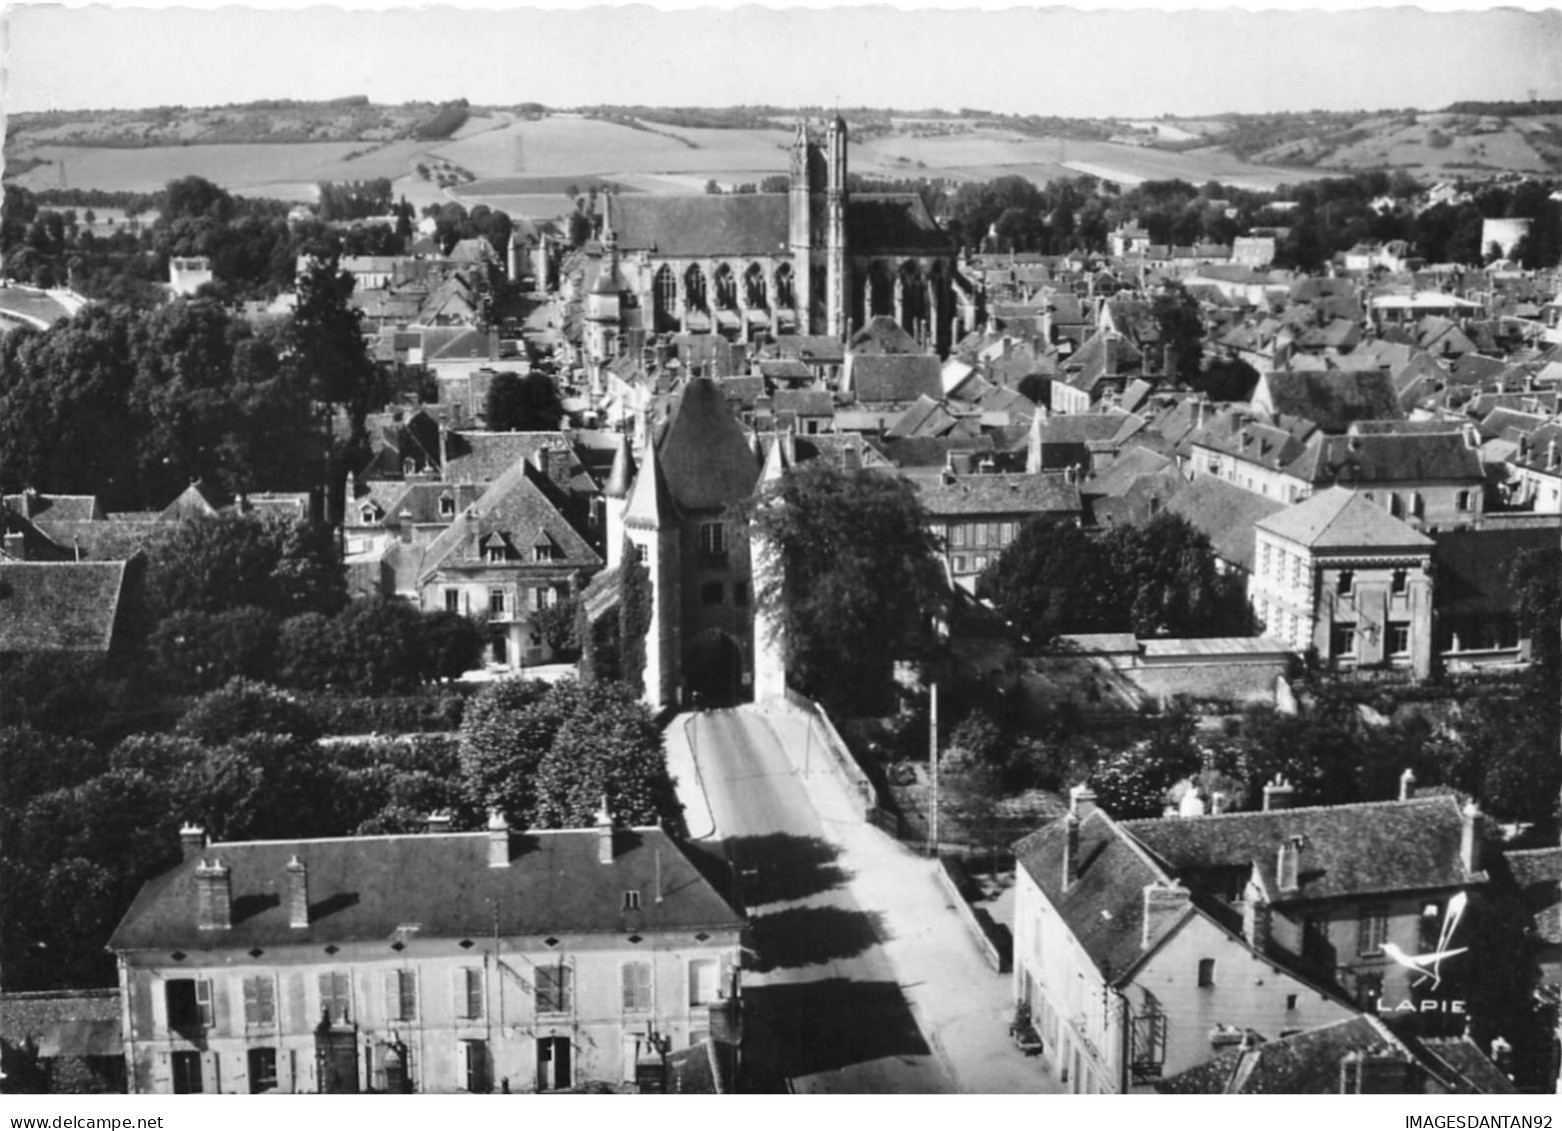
{"x": 825, "y": 1008}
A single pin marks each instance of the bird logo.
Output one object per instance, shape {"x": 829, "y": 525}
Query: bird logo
{"x": 1429, "y": 966}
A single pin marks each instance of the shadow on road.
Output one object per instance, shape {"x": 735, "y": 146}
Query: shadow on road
{"x": 835, "y": 1023}
{"x": 778, "y": 867}
{"x": 804, "y": 936}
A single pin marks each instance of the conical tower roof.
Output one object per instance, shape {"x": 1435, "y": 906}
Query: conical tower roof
{"x": 650, "y": 505}
{"x": 622, "y": 477}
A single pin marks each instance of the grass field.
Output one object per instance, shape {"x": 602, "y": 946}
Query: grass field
{"x": 524, "y": 165}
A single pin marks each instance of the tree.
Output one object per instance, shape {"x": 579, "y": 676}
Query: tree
{"x": 1164, "y": 576}
{"x": 857, "y": 579}
{"x": 231, "y": 560}
{"x": 244, "y": 707}
{"x": 193, "y": 651}
{"x": 507, "y": 729}
{"x": 1136, "y": 782}
{"x": 1181, "y": 331}
{"x": 527, "y": 403}
{"x": 1227, "y": 379}
{"x": 1047, "y": 582}
{"x": 607, "y": 748}
{"x": 330, "y": 350}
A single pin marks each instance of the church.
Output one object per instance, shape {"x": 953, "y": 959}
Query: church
{"x": 817, "y": 259}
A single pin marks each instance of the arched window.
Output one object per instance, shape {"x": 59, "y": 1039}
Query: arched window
{"x": 785, "y": 295}
{"x": 664, "y": 297}
{"x": 754, "y": 286}
{"x": 881, "y": 292}
{"x": 913, "y": 296}
{"x": 694, "y": 289}
{"x": 726, "y": 288}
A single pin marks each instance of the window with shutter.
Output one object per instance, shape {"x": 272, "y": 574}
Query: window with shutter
{"x": 704, "y": 975}
{"x": 336, "y": 996}
{"x": 469, "y": 993}
{"x": 401, "y": 995}
{"x": 554, "y": 989}
{"x": 203, "y": 1001}
{"x": 637, "y": 987}
{"x": 1371, "y": 930}
{"x": 260, "y": 1000}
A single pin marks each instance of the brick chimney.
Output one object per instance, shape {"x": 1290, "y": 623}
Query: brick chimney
{"x": 604, "y": 834}
{"x": 1288, "y": 865}
{"x": 1470, "y": 838}
{"x": 213, "y": 896}
{"x": 1407, "y": 784}
{"x": 1070, "y": 850}
{"x": 1162, "y": 904}
{"x": 1081, "y": 801}
{"x": 192, "y": 841}
{"x": 297, "y": 894}
{"x": 498, "y": 840}
{"x": 1279, "y": 794}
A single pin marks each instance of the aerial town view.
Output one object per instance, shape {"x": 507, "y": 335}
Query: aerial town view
{"x": 789, "y": 574}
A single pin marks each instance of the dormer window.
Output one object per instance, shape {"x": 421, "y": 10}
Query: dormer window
{"x": 632, "y": 900}
{"x": 496, "y": 554}
{"x": 447, "y": 506}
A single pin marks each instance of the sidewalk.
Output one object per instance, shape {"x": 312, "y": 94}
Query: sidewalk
{"x": 961, "y": 1005}
{"x": 685, "y": 772}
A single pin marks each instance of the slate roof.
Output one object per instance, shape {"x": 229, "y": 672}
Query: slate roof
{"x": 1123, "y": 472}
{"x": 1368, "y": 458}
{"x": 516, "y": 509}
{"x": 54, "y": 508}
{"x": 929, "y": 452}
{"x": 59, "y": 606}
{"x": 894, "y": 378}
{"x": 883, "y": 223}
{"x": 695, "y": 226}
{"x": 481, "y": 457}
{"x": 973, "y": 496}
{"x": 803, "y": 402}
{"x": 1341, "y": 518}
{"x": 1104, "y": 908}
{"x": 817, "y": 348}
{"x": 881, "y": 335}
{"x": 110, "y": 540}
{"x": 366, "y": 888}
{"x": 1226, "y": 514}
{"x": 1461, "y": 1060}
{"x": 1333, "y": 398}
{"x": 703, "y": 453}
{"x": 1349, "y": 851}
{"x": 1105, "y": 356}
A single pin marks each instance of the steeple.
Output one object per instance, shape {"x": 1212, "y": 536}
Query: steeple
{"x": 650, "y": 505}
{"x": 621, "y": 478}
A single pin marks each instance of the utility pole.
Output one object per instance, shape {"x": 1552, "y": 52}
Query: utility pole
{"x": 932, "y": 757}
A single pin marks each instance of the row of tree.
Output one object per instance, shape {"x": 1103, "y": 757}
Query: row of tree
{"x": 83, "y": 827}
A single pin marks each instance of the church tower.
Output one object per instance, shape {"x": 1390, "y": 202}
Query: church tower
{"x": 800, "y": 237}
{"x": 837, "y": 282}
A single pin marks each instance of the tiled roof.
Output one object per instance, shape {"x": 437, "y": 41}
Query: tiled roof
{"x": 880, "y": 335}
{"x": 1538, "y": 874}
{"x": 1343, "y": 518}
{"x": 703, "y": 453}
{"x": 111, "y": 540}
{"x": 1333, "y": 398}
{"x": 481, "y": 457}
{"x": 705, "y": 225}
{"x": 1126, "y": 470}
{"x": 1104, "y": 908}
{"x": 34, "y": 1016}
{"x": 999, "y": 494}
{"x": 804, "y": 402}
{"x": 894, "y": 378}
{"x": 59, "y": 606}
{"x": 1226, "y": 514}
{"x": 195, "y": 501}
{"x": 1308, "y": 1063}
{"x": 929, "y": 452}
{"x": 1349, "y": 851}
{"x": 368, "y": 888}
{"x": 517, "y": 509}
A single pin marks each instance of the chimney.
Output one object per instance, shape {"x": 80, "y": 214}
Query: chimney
{"x": 1257, "y": 915}
{"x": 1374, "y": 1074}
{"x": 297, "y": 894}
{"x": 444, "y": 448}
{"x": 213, "y": 896}
{"x": 1081, "y": 801}
{"x": 498, "y": 840}
{"x": 604, "y": 834}
{"x": 1070, "y": 850}
{"x": 541, "y": 458}
{"x": 30, "y": 500}
{"x": 437, "y": 824}
{"x": 1279, "y": 794}
{"x": 1071, "y": 474}
{"x": 1217, "y": 804}
{"x": 1470, "y": 838}
{"x": 1162, "y": 904}
{"x": 1551, "y": 455}
{"x": 192, "y": 841}
{"x": 1407, "y": 784}
{"x": 1288, "y": 865}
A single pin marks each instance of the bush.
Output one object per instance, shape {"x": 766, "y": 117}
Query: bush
{"x": 194, "y": 651}
{"x": 241, "y": 708}
{"x": 392, "y": 714}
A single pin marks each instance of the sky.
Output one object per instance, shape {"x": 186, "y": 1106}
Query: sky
{"x": 1115, "y": 61}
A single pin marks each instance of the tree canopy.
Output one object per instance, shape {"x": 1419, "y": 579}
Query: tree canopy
{"x": 858, "y": 579}
{"x": 523, "y": 403}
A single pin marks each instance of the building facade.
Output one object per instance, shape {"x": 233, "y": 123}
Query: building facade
{"x": 444, "y": 962}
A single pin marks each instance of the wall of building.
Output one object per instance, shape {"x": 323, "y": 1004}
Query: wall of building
{"x": 604, "y": 1035}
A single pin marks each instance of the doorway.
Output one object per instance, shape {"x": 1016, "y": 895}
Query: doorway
{"x": 553, "y": 1064}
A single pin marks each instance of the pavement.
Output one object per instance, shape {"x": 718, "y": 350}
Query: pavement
{"x": 863, "y": 978}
